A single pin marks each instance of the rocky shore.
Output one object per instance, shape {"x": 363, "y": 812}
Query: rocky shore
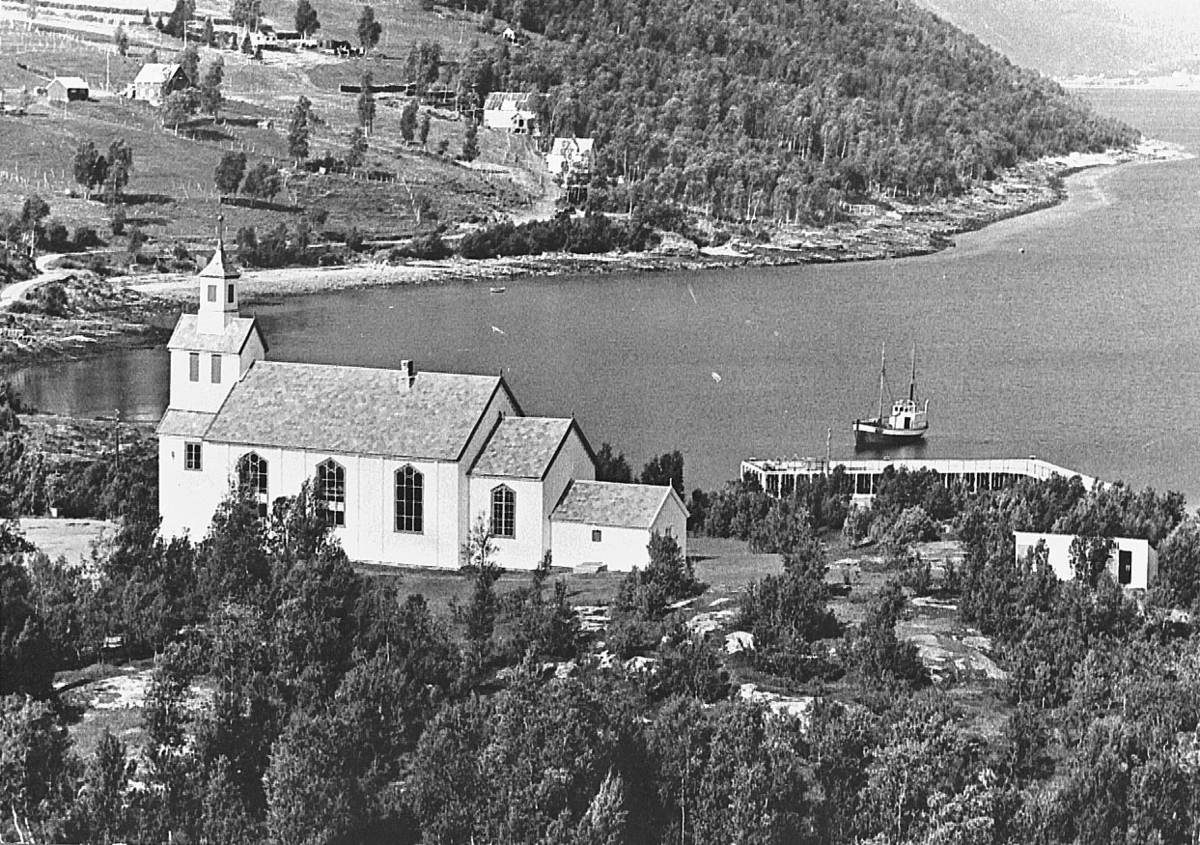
{"x": 134, "y": 311}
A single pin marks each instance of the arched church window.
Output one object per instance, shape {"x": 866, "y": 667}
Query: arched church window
{"x": 331, "y": 492}
{"x": 504, "y": 512}
{"x": 410, "y": 500}
{"x": 252, "y": 479}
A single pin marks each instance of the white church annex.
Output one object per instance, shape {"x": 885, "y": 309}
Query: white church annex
{"x": 402, "y": 461}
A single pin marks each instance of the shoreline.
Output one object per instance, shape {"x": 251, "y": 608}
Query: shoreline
{"x": 905, "y": 230}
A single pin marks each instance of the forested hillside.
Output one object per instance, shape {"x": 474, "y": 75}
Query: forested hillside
{"x": 780, "y": 109}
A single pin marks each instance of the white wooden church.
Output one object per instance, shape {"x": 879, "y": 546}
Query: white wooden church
{"x": 401, "y": 461}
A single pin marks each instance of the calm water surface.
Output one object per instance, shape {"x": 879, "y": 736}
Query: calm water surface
{"x": 1072, "y": 334}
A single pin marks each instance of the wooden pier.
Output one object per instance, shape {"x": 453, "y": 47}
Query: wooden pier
{"x": 778, "y": 477}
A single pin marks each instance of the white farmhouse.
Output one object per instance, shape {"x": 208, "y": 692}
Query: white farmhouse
{"x": 569, "y": 157}
{"x": 154, "y": 82}
{"x": 403, "y": 462}
{"x": 1133, "y": 563}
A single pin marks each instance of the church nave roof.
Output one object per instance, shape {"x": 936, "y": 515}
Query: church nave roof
{"x": 354, "y": 410}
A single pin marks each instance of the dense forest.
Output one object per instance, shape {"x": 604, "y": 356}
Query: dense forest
{"x": 779, "y": 109}
{"x": 297, "y": 699}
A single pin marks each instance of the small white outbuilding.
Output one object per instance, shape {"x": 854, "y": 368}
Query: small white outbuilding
{"x": 1133, "y": 563}
{"x": 599, "y": 524}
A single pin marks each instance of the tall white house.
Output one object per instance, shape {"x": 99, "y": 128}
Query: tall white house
{"x": 402, "y": 462}
{"x": 1132, "y": 563}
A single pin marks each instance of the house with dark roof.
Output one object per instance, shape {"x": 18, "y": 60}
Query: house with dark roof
{"x": 402, "y": 463}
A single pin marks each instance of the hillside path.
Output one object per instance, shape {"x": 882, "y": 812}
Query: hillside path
{"x": 17, "y": 290}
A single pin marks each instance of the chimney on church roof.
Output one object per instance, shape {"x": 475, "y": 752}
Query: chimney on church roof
{"x": 409, "y": 369}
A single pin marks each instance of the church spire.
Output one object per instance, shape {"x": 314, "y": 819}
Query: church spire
{"x": 218, "y": 289}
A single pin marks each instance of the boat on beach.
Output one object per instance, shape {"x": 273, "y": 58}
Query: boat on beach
{"x": 907, "y": 421}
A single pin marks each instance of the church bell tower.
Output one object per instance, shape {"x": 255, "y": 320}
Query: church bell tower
{"x": 218, "y": 289}
{"x": 212, "y": 349}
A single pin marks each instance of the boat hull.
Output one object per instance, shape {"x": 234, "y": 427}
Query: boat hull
{"x": 870, "y": 431}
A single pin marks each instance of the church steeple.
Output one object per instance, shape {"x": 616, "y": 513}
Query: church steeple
{"x": 218, "y": 289}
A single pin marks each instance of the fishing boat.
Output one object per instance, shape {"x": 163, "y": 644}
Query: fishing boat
{"x": 497, "y": 290}
{"x": 907, "y": 422}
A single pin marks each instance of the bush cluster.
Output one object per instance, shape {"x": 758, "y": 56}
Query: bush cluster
{"x": 590, "y": 234}
{"x": 275, "y": 248}
{"x": 428, "y": 247}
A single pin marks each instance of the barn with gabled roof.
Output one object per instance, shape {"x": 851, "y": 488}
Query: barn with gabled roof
{"x": 511, "y": 111}
{"x": 67, "y": 89}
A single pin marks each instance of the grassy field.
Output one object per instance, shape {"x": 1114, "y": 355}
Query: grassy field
{"x": 724, "y": 565}
{"x": 71, "y": 539}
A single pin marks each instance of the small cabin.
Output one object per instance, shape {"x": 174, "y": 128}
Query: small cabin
{"x": 67, "y": 89}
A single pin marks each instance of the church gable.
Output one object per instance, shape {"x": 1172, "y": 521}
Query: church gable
{"x": 522, "y": 447}
{"x": 231, "y": 341}
{"x": 354, "y": 410}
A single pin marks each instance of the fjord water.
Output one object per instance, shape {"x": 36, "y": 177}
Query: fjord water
{"x": 1072, "y": 334}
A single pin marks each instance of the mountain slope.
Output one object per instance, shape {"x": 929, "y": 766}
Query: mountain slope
{"x": 1088, "y": 37}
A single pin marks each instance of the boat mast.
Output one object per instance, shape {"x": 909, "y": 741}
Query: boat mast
{"x": 882, "y": 370}
{"x": 912, "y": 383}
